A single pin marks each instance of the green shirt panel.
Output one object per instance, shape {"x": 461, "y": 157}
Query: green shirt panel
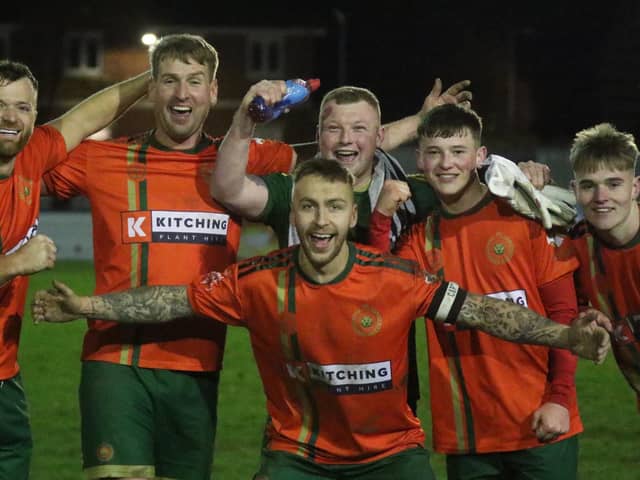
{"x": 280, "y": 185}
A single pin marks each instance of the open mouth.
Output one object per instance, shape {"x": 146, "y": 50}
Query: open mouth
{"x": 345, "y": 156}
{"x": 180, "y": 111}
{"x": 320, "y": 241}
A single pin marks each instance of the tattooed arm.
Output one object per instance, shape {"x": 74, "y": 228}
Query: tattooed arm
{"x": 139, "y": 305}
{"x": 509, "y": 321}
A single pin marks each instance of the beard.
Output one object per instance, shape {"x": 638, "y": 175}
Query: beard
{"x": 9, "y": 149}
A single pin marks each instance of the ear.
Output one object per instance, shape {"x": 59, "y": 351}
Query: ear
{"x": 354, "y": 216}
{"x": 573, "y": 185}
{"x": 635, "y": 187}
{"x": 481, "y": 156}
{"x": 380, "y": 136}
{"x": 318, "y": 133}
{"x": 213, "y": 92}
{"x": 419, "y": 162}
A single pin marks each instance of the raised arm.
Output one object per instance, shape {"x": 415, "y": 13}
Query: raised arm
{"x": 155, "y": 304}
{"x": 405, "y": 130}
{"x": 100, "y": 109}
{"x": 241, "y": 193}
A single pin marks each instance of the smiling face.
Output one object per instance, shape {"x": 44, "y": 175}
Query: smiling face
{"x": 182, "y": 93}
{"x": 350, "y": 134}
{"x": 323, "y": 211}
{"x": 17, "y": 117}
{"x": 608, "y": 198}
{"x": 449, "y": 164}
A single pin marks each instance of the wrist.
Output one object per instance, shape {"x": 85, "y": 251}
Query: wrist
{"x": 12, "y": 266}
{"x": 85, "y": 307}
{"x": 243, "y": 126}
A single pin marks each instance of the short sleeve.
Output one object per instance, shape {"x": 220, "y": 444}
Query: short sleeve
{"x": 215, "y": 295}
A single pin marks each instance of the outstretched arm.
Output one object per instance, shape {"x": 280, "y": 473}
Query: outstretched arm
{"x": 451, "y": 305}
{"x": 100, "y": 109}
{"x": 405, "y": 130}
{"x": 155, "y": 304}
{"x": 517, "y": 324}
{"x": 230, "y": 185}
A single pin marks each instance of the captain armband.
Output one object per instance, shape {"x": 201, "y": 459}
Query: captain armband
{"x": 447, "y": 303}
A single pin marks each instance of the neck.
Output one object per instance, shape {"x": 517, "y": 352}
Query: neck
{"x": 362, "y": 183}
{"x": 625, "y": 232}
{"x": 6, "y": 168}
{"x": 467, "y": 198}
{"x": 324, "y": 272}
{"x": 186, "y": 144}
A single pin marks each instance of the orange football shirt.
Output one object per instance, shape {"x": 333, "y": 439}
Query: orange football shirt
{"x": 609, "y": 279}
{"x": 19, "y": 211}
{"x": 155, "y": 223}
{"x": 332, "y": 357}
{"x": 484, "y": 390}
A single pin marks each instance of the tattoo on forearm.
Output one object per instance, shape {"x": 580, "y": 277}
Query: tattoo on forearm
{"x": 511, "y": 322}
{"x": 143, "y": 305}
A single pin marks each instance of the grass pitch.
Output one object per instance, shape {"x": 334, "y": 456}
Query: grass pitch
{"x": 49, "y": 355}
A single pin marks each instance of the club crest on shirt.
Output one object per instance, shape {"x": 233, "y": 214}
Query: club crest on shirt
{"x": 499, "y": 249}
{"x": 104, "y": 453}
{"x": 25, "y": 189}
{"x": 137, "y": 171}
{"x": 366, "y": 321}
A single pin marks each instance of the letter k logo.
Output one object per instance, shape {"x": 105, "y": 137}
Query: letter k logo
{"x": 136, "y": 226}
{"x": 133, "y": 227}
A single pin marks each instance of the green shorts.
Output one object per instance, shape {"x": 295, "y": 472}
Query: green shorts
{"x": 556, "y": 461}
{"x": 412, "y": 464}
{"x": 15, "y": 431}
{"x": 140, "y": 422}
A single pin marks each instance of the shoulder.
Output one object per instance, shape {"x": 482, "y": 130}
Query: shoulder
{"x": 374, "y": 260}
{"x": 43, "y": 134}
{"x": 579, "y": 231}
{"x": 257, "y": 142}
{"x": 276, "y": 260}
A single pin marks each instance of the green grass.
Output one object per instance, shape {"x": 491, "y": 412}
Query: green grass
{"x": 50, "y": 354}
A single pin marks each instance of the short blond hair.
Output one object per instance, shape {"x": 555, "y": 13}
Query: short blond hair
{"x": 603, "y": 146}
{"x": 186, "y": 48}
{"x": 347, "y": 95}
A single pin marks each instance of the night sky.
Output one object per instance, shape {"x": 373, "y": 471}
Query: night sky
{"x": 572, "y": 64}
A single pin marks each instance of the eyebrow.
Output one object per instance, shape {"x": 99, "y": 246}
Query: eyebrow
{"x": 607, "y": 179}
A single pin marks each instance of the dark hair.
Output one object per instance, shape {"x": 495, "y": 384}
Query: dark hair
{"x": 327, "y": 169}
{"x": 186, "y": 48}
{"x": 448, "y": 120}
{"x": 11, "y": 71}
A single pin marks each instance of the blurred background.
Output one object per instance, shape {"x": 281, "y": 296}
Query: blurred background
{"x": 540, "y": 71}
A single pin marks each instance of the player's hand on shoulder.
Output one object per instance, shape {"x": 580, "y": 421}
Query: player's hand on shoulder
{"x": 538, "y": 174}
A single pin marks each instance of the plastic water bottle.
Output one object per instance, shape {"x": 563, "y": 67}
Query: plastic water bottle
{"x": 298, "y": 92}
